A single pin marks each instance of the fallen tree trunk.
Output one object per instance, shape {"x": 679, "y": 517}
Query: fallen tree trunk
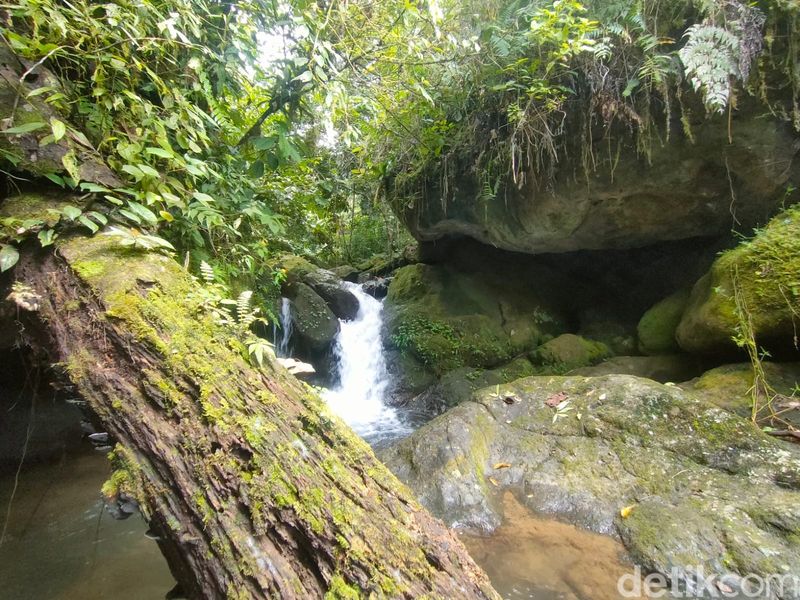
{"x": 253, "y": 487}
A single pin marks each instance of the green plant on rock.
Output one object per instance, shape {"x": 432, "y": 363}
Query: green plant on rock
{"x": 239, "y": 315}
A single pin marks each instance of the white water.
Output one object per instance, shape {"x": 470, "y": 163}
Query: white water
{"x": 282, "y": 349}
{"x": 360, "y": 397}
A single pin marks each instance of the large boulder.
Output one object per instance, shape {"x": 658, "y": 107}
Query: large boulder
{"x": 759, "y": 281}
{"x": 682, "y": 189}
{"x": 569, "y": 351}
{"x": 656, "y": 328}
{"x": 314, "y": 324}
{"x": 682, "y": 482}
{"x": 446, "y": 319}
{"x": 731, "y": 387}
{"x": 325, "y": 284}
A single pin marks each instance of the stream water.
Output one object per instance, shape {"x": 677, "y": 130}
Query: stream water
{"x": 61, "y": 544}
{"x": 363, "y": 380}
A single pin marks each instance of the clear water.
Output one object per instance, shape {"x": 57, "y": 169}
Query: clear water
{"x": 361, "y": 394}
{"x": 536, "y": 558}
{"x": 61, "y": 543}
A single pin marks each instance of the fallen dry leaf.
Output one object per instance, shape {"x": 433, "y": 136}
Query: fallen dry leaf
{"x": 555, "y": 399}
{"x": 493, "y": 481}
{"x": 502, "y": 465}
{"x": 626, "y": 512}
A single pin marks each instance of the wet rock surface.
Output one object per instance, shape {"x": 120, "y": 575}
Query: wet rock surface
{"x": 702, "y": 486}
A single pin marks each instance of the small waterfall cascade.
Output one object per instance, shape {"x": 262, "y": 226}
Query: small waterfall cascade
{"x": 282, "y": 331}
{"x": 360, "y": 397}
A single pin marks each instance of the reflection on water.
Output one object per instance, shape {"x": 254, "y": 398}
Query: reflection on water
{"x": 61, "y": 544}
{"x": 542, "y": 559}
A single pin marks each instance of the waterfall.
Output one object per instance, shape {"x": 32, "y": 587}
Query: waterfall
{"x": 360, "y": 396}
{"x": 282, "y": 338}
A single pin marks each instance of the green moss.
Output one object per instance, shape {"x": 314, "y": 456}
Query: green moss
{"x": 89, "y": 268}
{"x": 656, "y": 329}
{"x": 569, "y": 351}
{"x": 340, "y": 590}
{"x": 766, "y": 270}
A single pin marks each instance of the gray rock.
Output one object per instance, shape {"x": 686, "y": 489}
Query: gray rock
{"x": 706, "y": 487}
{"x": 624, "y": 206}
{"x": 315, "y": 325}
{"x": 664, "y": 368}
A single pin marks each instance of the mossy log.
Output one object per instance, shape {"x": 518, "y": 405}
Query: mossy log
{"x": 253, "y": 487}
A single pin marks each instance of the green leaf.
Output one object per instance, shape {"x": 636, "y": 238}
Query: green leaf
{"x": 99, "y": 217}
{"x": 131, "y": 215}
{"x": 204, "y": 198}
{"x": 264, "y": 143}
{"x": 160, "y": 152}
{"x": 46, "y": 237}
{"x": 149, "y": 171}
{"x": 71, "y": 212}
{"x": 8, "y": 257}
{"x": 87, "y": 222}
{"x": 58, "y": 127}
{"x": 93, "y": 187}
{"x": 57, "y": 179}
{"x": 71, "y": 165}
{"x": 25, "y": 128}
{"x": 133, "y": 170}
{"x": 144, "y": 212}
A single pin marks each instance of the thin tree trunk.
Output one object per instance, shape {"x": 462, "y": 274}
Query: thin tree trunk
{"x": 253, "y": 487}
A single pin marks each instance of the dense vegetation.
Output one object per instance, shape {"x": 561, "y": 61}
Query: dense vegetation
{"x": 242, "y": 129}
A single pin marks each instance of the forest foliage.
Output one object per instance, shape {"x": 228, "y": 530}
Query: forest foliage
{"x": 244, "y": 128}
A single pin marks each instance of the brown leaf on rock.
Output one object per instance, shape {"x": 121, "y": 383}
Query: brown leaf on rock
{"x": 502, "y": 465}
{"x": 555, "y": 399}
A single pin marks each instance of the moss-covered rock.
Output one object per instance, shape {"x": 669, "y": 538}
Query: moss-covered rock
{"x": 656, "y": 329}
{"x": 704, "y": 487}
{"x": 447, "y": 319}
{"x": 315, "y": 325}
{"x": 569, "y": 351}
{"x": 730, "y": 386}
{"x": 766, "y": 272}
{"x": 325, "y": 284}
{"x": 662, "y": 368}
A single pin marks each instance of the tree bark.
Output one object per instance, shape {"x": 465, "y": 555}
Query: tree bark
{"x": 253, "y": 487}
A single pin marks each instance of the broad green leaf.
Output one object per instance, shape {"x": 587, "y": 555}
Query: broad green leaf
{"x": 71, "y": 165}
{"x": 159, "y": 152}
{"x": 87, "y": 222}
{"x": 131, "y": 215}
{"x": 8, "y": 257}
{"x": 71, "y": 212}
{"x": 133, "y": 170}
{"x": 46, "y": 237}
{"x": 204, "y": 198}
{"x": 25, "y": 128}
{"x": 144, "y": 212}
{"x": 149, "y": 171}
{"x": 93, "y": 187}
{"x": 59, "y": 128}
{"x": 264, "y": 143}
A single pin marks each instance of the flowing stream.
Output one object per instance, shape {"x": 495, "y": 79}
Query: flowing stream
{"x": 360, "y": 396}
